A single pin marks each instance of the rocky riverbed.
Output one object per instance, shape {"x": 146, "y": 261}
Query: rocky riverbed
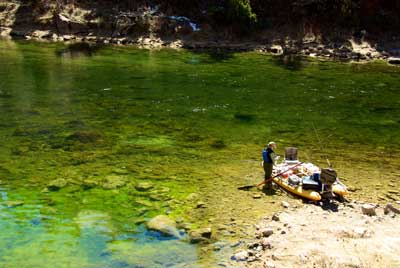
{"x": 352, "y": 234}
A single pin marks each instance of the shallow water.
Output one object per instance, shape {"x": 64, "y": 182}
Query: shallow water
{"x": 192, "y": 124}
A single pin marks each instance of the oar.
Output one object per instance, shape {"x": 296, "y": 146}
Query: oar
{"x": 247, "y": 187}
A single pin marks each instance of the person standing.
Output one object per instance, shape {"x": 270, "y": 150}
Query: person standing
{"x": 269, "y": 159}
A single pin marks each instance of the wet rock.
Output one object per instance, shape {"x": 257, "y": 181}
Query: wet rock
{"x": 14, "y": 203}
{"x": 57, "y": 184}
{"x": 285, "y": 204}
{"x": 391, "y": 208}
{"x": 144, "y": 186}
{"x": 163, "y": 224}
{"x": 240, "y": 256}
{"x": 266, "y": 232}
{"x": 200, "y": 235}
{"x": 394, "y": 60}
{"x": 368, "y": 209}
{"x": 276, "y": 49}
{"x": 113, "y": 182}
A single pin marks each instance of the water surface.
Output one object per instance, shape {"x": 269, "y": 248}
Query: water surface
{"x": 193, "y": 125}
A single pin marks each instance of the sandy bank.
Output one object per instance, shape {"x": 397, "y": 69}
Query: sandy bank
{"x": 331, "y": 235}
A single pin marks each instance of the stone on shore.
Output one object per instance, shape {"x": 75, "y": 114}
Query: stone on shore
{"x": 164, "y": 225}
{"x": 285, "y": 204}
{"x": 266, "y": 232}
{"x": 391, "y": 208}
{"x": 368, "y": 209}
{"x": 241, "y": 256}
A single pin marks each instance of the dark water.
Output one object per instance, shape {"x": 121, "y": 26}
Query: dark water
{"x": 106, "y": 120}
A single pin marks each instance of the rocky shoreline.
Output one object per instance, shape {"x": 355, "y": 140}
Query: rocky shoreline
{"x": 353, "y": 50}
{"x": 153, "y": 28}
{"x": 352, "y": 234}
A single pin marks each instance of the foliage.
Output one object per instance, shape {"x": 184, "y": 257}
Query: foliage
{"x": 240, "y": 10}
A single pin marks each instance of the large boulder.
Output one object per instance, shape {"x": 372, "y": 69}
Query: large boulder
{"x": 164, "y": 225}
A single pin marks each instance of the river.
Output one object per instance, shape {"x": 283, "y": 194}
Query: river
{"x": 133, "y": 133}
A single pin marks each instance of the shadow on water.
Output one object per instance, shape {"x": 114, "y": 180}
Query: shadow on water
{"x": 290, "y": 62}
{"x": 78, "y": 50}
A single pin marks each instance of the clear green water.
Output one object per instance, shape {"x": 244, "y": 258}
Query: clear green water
{"x": 192, "y": 124}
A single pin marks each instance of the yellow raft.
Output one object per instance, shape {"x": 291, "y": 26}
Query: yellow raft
{"x": 297, "y": 190}
{"x": 338, "y": 188}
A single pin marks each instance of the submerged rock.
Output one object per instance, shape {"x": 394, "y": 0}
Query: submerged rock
{"x": 57, "y": 184}
{"x": 89, "y": 184}
{"x": 144, "y": 186}
{"x": 15, "y": 203}
{"x": 163, "y": 224}
{"x": 200, "y": 235}
{"x": 84, "y": 137}
{"x": 113, "y": 182}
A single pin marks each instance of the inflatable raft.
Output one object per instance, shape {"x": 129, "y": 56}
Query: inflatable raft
{"x": 307, "y": 180}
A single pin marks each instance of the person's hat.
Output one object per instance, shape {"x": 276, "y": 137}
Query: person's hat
{"x": 271, "y": 143}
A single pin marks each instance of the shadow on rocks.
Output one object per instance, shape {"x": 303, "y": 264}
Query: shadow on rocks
{"x": 329, "y": 205}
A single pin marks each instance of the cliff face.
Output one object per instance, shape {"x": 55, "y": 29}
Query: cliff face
{"x": 289, "y": 23}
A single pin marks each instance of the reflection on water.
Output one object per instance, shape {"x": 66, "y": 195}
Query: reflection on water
{"x": 290, "y": 61}
{"x": 93, "y": 147}
{"x": 77, "y": 50}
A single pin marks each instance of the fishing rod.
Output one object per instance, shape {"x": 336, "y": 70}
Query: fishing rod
{"x": 246, "y": 187}
{"x": 320, "y": 145}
